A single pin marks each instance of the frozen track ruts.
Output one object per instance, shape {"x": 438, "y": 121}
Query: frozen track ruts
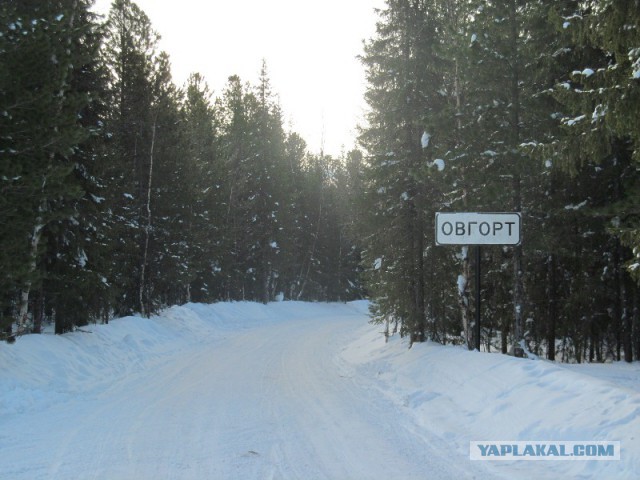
{"x": 269, "y": 402}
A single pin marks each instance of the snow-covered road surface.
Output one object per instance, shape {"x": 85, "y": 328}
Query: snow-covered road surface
{"x": 270, "y": 401}
{"x": 285, "y": 391}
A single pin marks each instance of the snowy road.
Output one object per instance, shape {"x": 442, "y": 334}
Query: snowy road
{"x": 293, "y": 391}
{"x": 270, "y": 401}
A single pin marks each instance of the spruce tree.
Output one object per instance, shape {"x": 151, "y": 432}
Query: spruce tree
{"x": 204, "y": 197}
{"x": 402, "y": 83}
{"x": 167, "y": 245}
{"x": 129, "y": 52}
{"x": 48, "y": 56}
{"x": 598, "y": 94}
{"x": 270, "y": 182}
{"x": 236, "y": 152}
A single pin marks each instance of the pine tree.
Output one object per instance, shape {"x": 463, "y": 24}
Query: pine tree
{"x": 204, "y": 197}
{"x": 129, "y": 51}
{"x": 402, "y": 83}
{"x": 253, "y": 147}
{"x": 298, "y": 212}
{"x": 75, "y": 289}
{"x": 497, "y": 104}
{"x": 236, "y": 154}
{"x": 349, "y": 189}
{"x": 167, "y": 245}
{"x": 599, "y": 94}
{"x": 269, "y": 187}
{"x": 320, "y": 238}
{"x": 450, "y": 141}
{"x": 48, "y": 55}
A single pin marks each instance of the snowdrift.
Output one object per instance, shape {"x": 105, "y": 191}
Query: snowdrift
{"x": 465, "y": 396}
{"x": 42, "y": 370}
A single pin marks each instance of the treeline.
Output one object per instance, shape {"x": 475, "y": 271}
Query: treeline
{"x": 512, "y": 105}
{"x": 122, "y": 193}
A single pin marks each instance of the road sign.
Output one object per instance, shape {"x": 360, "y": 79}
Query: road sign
{"x": 465, "y": 228}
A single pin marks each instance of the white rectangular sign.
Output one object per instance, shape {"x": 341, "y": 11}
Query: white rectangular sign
{"x": 465, "y": 228}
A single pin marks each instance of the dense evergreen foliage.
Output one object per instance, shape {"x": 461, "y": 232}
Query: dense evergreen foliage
{"x": 121, "y": 192}
{"x": 532, "y": 107}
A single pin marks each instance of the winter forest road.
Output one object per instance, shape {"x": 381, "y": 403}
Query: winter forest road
{"x": 274, "y": 401}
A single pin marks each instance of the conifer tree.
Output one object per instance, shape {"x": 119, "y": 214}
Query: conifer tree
{"x": 167, "y": 243}
{"x": 269, "y": 187}
{"x": 401, "y": 85}
{"x": 236, "y": 152}
{"x": 130, "y": 49}
{"x": 47, "y": 52}
{"x": 253, "y": 146}
{"x": 298, "y": 212}
{"x": 204, "y": 199}
{"x": 599, "y": 96}
{"x": 496, "y": 104}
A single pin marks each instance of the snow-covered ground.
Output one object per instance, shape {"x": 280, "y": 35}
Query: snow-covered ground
{"x": 293, "y": 391}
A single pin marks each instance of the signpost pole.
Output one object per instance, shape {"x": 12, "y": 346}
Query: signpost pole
{"x": 478, "y": 276}
{"x": 477, "y": 228}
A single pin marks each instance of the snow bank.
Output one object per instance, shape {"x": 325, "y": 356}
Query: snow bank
{"x": 465, "y": 396}
{"x": 42, "y": 370}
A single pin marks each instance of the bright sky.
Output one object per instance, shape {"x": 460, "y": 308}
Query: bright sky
{"x": 310, "y": 48}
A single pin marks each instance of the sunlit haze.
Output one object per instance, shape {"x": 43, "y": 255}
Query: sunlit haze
{"x": 310, "y": 49}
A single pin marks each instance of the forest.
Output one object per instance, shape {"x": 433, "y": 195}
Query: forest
{"x": 122, "y": 192}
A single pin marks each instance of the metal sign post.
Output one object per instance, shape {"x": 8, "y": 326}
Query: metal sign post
{"x": 466, "y": 228}
{"x": 478, "y": 258}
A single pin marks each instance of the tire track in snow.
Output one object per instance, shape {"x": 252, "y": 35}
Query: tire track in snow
{"x": 272, "y": 401}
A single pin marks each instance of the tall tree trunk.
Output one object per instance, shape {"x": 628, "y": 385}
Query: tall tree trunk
{"x": 464, "y": 277}
{"x": 39, "y": 311}
{"x": 518, "y": 286}
{"x": 34, "y": 244}
{"x": 552, "y": 319}
{"x": 266, "y": 281}
{"x": 618, "y": 299}
{"x": 418, "y": 280}
{"x": 144, "y": 307}
{"x": 504, "y": 339}
{"x": 627, "y": 320}
{"x": 592, "y": 340}
{"x": 635, "y": 327}
{"x": 303, "y": 277}
{"x": 518, "y": 296}
{"x": 36, "y": 235}
{"x": 463, "y": 296}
